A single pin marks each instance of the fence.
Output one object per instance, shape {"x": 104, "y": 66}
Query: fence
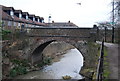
{"x": 100, "y": 64}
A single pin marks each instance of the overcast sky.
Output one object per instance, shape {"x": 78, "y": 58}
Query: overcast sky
{"x": 84, "y": 15}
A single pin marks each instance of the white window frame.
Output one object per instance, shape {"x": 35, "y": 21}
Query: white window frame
{"x": 20, "y": 15}
{"x": 27, "y": 17}
{"x": 33, "y": 18}
{"x": 11, "y": 13}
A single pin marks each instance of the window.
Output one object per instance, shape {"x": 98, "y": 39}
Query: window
{"x": 33, "y": 19}
{"x": 9, "y": 23}
{"x": 38, "y": 20}
{"x": 42, "y": 21}
{"x": 15, "y": 24}
{"x": 19, "y": 24}
{"x": 12, "y": 13}
{"x": 20, "y": 16}
{"x": 27, "y": 17}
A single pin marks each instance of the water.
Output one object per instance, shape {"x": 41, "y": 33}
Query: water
{"x": 70, "y": 65}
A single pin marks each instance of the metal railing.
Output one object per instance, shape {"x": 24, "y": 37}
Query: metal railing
{"x": 99, "y": 75}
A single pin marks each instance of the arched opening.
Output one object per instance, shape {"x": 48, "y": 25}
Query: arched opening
{"x": 37, "y": 53}
{"x": 59, "y": 50}
{"x": 50, "y": 48}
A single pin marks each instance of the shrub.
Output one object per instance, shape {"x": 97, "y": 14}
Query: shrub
{"x": 19, "y": 68}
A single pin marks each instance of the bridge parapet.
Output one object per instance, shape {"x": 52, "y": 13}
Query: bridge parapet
{"x": 60, "y": 32}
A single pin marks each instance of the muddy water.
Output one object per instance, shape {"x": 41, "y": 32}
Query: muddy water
{"x": 70, "y": 65}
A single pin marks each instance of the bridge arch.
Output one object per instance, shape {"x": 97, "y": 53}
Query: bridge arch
{"x": 37, "y": 56}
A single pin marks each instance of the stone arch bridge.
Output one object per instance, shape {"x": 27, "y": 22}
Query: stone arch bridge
{"x": 39, "y": 38}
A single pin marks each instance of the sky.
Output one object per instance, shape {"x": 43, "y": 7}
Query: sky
{"x": 85, "y": 15}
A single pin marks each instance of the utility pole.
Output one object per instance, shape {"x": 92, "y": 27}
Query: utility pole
{"x": 113, "y": 17}
{"x": 105, "y": 33}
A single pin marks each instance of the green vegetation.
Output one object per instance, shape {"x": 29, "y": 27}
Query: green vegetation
{"x": 24, "y": 62}
{"x": 20, "y": 67}
{"x": 5, "y": 34}
{"x": 106, "y": 71}
{"x": 46, "y": 61}
{"x": 18, "y": 70}
{"x": 89, "y": 69}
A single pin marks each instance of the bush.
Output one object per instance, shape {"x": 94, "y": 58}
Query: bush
{"x": 13, "y": 73}
{"x": 18, "y": 70}
{"x": 20, "y": 67}
{"x": 5, "y": 34}
{"x": 24, "y": 62}
{"x": 47, "y": 60}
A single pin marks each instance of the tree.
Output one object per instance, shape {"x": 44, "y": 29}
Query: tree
{"x": 117, "y": 12}
{"x": 102, "y": 25}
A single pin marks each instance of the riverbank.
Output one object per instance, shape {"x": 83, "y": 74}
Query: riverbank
{"x": 89, "y": 68}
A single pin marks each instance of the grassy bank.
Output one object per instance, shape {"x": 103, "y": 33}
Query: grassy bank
{"x": 106, "y": 70}
{"x": 90, "y": 65}
{"x": 89, "y": 69}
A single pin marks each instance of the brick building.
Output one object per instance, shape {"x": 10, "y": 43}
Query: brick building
{"x": 16, "y": 19}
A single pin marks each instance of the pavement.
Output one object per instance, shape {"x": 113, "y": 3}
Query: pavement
{"x": 113, "y": 60}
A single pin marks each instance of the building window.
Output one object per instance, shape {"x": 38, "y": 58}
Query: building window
{"x": 42, "y": 21}
{"x": 19, "y": 24}
{"x": 27, "y": 17}
{"x": 33, "y": 19}
{"x": 12, "y": 13}
{"x": 38, "y": 20}
{"x": 20, "y": 16}
{"x": 9, "y": 23}
{"x": 15, "y": 24}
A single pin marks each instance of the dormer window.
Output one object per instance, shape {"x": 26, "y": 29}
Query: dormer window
{"x": 38, "y": 20}
{"x": 20, "y": 15}
{"x": 42, "y": 21}
{"x": 33, "y": 19}
{"x": 27, "y": 17}
{"x": 12, "y": 13}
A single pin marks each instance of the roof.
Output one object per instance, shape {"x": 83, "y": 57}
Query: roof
{"x": 8, "y": 8}
{"x": 37, "y": 17}
{"x": 5, "y": 16}
{"x": 25, "y": 13}
{"x": 15, "y": 18}
{"x": 24, "y": 20}
{"x": 30, "y": 21}
{"x": 42, "y": 18}
{"x": 62, "y": 24}
{"x": 31, "y": 15}
{"x": 18, "y": 11}
{"x": 38, "y": 23}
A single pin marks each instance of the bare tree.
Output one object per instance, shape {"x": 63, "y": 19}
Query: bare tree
{"x": 117, "y": 12}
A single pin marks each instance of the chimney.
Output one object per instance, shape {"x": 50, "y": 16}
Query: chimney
{"x": 68, "y": 21}
{"x": 52, "y": 21}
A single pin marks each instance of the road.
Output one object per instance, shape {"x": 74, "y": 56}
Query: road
{"x": 112, "y": 59}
